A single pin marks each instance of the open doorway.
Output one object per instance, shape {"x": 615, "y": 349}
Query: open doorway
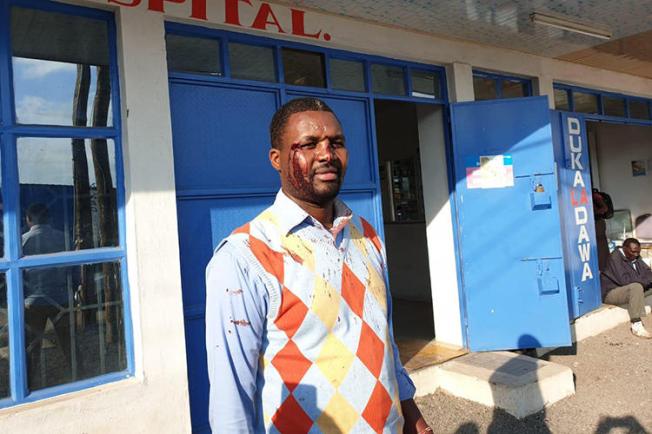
{"x": 621, "y": 166}
{"x": 397, "y": 134}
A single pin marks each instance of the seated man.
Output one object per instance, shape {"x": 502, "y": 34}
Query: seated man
{"x": 624, "y": 280}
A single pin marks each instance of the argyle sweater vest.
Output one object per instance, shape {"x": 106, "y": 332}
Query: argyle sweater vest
{"x": 327, "y": 362}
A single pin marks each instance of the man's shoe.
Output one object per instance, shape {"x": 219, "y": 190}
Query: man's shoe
{"x": 639, "y": 330}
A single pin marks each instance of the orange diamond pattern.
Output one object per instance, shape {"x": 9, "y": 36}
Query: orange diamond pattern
{"x": 291, "y": 419}
{"x": 370, "y": 233}
{"x": 270, "y": 259}
{"x": 378, "y": 408}
{"x": 352, "y": 290}
{"x": 291, "y": 314}
{"x": 244, "y": 229}
{"x": 291, "y": 365}
{"x": 371, "y": 350}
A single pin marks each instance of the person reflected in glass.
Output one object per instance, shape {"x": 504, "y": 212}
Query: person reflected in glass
{"x": 45, "y": 291}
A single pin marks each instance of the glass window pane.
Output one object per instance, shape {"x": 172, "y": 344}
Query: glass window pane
{"x": 585, "y": 102}
{"x": 639, "y": 109}
{"x": 514, "y": 89}
{"x": 61, "y": 69}
{"x": 191, "y": 54}
{"x": 425, "y": 84}
{"x": 304, "y": 68}
{"x": 561, "y": 100}
{"x": 613, "y": 106}
{"x": 4, "y": 339}
{"x": 347, "y": 75}
{"x": 67, "y": 194}
{"x": 484, "y": 88}
{"x": 249, "y": 62}
{"x": 388, "y": 80}
{"x": 74, "y": 324}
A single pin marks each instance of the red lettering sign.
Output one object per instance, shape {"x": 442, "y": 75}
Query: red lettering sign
{"x": 264, "y": 18}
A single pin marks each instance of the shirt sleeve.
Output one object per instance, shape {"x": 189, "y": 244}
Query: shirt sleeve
{"x": 236, "y": 308}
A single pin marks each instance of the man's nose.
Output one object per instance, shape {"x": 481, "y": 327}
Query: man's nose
{"x": 325, "y": 151}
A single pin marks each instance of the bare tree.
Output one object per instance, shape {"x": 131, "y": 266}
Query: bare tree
{"x": 106, "y": 199}
{"x": 83, "y": 224}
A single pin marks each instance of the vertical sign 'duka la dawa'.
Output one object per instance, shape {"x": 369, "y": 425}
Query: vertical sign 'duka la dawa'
{"x": 245, "y": 14}
{"x": 577, "y": 215}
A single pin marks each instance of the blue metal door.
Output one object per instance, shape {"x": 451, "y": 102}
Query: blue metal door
{"x": 508, "y": 224}
{"x": 224, "y": 179}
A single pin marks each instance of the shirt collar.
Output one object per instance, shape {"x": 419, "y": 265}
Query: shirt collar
{"x": 290, "y": 214}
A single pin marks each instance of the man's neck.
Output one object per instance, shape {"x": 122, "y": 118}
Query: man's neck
{"x": 323, "y": 213}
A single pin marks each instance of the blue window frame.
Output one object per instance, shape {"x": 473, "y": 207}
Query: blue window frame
{"x": 488, "y": 85}
{"x": 69, "y": 291}
{"x": 603, "y": 105}
{"x": 411, "y": 72}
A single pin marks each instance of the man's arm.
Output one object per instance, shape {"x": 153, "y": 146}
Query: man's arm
{"x": 236, "y": 307}
{"x": 646, "y": 274}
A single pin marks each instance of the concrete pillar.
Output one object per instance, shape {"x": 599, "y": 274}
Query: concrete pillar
{"x": 543, "y": 86}
{"x": 460, "y": 82}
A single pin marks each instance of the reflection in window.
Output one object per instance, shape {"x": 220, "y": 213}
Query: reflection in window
{"x": 425, "y": 84}
{"x": 60, "y": 69}
{"x": 347, "y": 75}
{"x": 303, "y": 68}
{"x": 514, "y": 89}
{"x": 639, "y": 109}
{"x": 191, "y": 54}
{"x": 4, "y": 339}
{"x": 561, "y": 100}
{"x": 84, "y": 336}
{"x": 388, "y": 80}
{"x": 613, "y": 106}
{"x": 585, "y": 102}
{"x": 484, "y": 88}
{"x": 67, "y": 194}
{"x": 250, "y": 62}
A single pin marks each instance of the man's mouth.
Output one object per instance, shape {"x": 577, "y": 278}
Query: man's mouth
{"x": 328, "y": 174}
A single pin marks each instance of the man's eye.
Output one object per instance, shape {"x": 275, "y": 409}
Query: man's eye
{"x": 337, "y": 144}
{"x": 309, "y": 145}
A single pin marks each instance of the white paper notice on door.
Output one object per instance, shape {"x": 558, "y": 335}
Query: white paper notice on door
{"x": 491, "y": 171}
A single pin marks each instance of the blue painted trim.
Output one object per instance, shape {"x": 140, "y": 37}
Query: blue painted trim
{"x": 69, "y": 388}
{"x": 570, "y": 89}
{"x": 13, "y": 264}
{"x": 51, "y": 131}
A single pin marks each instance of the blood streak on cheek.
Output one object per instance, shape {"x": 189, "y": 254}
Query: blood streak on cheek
{"x": 298, "y": 178}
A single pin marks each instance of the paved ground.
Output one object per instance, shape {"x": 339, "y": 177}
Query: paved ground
{"x": 613, "y": 379}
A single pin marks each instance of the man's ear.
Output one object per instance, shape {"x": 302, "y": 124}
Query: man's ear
{"x": 275, "y": 158}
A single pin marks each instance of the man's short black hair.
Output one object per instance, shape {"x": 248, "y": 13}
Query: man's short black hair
{"x": 629, "y": 241}
{"x": 299, "y": 105}
{"x": 38, "y": 213}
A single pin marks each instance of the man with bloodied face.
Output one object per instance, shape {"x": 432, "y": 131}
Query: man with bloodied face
{"x": 298, "y": 314}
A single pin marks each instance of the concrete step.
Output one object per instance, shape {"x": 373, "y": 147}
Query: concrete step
{"x": 520, "y": 385}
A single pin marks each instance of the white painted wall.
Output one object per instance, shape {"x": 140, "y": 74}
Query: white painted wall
{"x": 617, "y": 146}
{"x": 439, "y": 226}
